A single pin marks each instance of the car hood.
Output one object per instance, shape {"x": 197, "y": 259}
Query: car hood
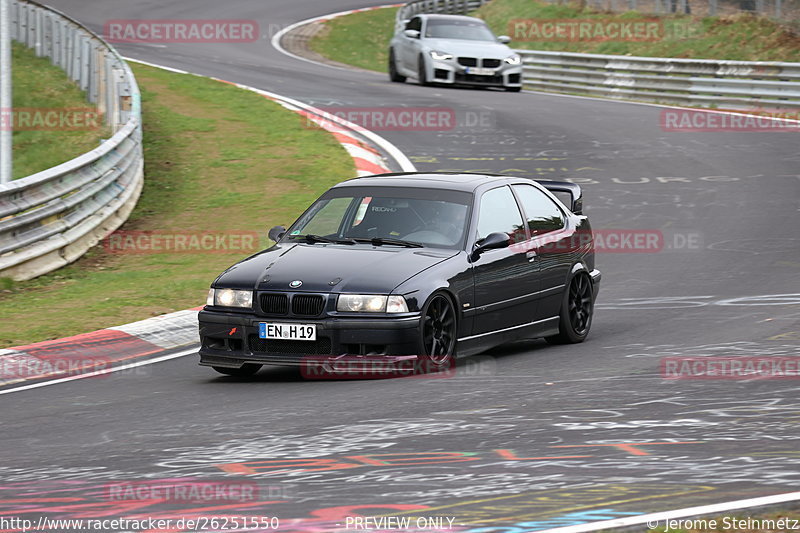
{"x": 331, "y": 268}
{"x": 470, "y": 48}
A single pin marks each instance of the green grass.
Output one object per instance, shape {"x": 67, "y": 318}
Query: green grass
{"x": 217, "y": 159}
{"x": 738, "y": 37}
{"x": 361, "y": 39}
{"x": 39, "y": 86}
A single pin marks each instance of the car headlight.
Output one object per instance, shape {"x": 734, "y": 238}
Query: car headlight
{"x": 441, "y": 56}
{"x": 514, "y": 60}
{"x": 229, "y": 298}
{"x": 371, "y": 303}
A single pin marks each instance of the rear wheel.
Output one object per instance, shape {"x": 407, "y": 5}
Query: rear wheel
{"x": 438, "y": 339}
{"x": 393, "y": 74}
{"x": 422, "y": 73}
{"x": 242, "y": 372}
{"x": 577, "y": 309}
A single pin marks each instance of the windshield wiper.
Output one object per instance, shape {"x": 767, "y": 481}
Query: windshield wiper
{"x": 311, "y": 239}
{"x": 377, "y": 241}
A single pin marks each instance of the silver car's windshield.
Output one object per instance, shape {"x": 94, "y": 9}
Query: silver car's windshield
{"x": 458, "y": 29}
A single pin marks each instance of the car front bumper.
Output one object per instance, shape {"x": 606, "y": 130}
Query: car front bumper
{"x": 231, "y": 340}
{"x": 452, "y": 73}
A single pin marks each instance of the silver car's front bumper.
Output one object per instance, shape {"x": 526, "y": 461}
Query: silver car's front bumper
{"x": 451, "y": 72}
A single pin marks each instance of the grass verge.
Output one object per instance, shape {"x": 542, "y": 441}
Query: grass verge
{"x": 359, "y": 39}
{"x": 362, "y": 39}
{"x": 39, "y": 90}
{"x": 219, "y": 160}
{"x": 741, "y": 37}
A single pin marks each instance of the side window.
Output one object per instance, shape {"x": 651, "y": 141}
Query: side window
{"x": 499, "y": 213}
{"x": 542, "y": 214}
{"x": 414, "y": 24}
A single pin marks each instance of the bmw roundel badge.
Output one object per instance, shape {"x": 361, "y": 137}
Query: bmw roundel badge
{"x": 295, "y": 284}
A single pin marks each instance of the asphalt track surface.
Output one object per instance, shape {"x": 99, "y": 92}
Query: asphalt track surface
{"x": 522, "y": 438}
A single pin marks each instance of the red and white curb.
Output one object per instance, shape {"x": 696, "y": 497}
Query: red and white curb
{"x": 107, "y": 350}
{"x": 97, "y": 352}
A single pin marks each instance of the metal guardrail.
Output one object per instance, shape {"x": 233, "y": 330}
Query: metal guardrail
{"x": 450, "y": 7}
{"x": 53, "y": 217}
{"x": 691, "y": 82}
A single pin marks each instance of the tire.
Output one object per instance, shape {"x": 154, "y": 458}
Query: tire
{"x": 422, "y": 73}
{"x": 246, "y": 370}
{"x": 393, "y": 74}
{"x": 438, "y": 334}
{"x": 513, "y": 89}
{"x": 577, "y": 310}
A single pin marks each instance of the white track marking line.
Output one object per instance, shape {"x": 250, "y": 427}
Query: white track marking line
{"x": 102, "y": 372}
{"x": 654, "y": 520}
{"x": 276, "y": 39}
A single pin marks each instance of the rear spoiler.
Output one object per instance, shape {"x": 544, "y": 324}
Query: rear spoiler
{"x": 572, "y": 189}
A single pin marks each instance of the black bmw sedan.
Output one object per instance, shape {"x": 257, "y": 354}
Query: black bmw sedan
{"x": 400, "y": 267}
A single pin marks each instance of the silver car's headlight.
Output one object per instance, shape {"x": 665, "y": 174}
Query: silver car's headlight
{"x": 371, "y": 303}
{"x": 230, "y": 298}
{"x": 441, "y": 56}
{"x": 514, "y": 60}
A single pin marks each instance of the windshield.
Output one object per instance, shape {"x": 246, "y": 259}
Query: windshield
{"x": 458, "y": 29}
{"x": 385, "y": 218}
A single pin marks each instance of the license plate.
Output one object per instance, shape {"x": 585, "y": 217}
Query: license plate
{"x": 480, "y": 71}
{"x": 293, "y": 332}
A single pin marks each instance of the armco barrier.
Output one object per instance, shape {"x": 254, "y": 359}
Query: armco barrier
{"x": 51, "y": 218}
{"x": 691, "y": 82}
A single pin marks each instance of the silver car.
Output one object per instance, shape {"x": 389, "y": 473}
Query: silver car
{"x": 453, "y": 49}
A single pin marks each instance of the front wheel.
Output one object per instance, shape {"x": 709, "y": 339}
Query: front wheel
{"x": 577, "y": 309}
{"x": 513, "y": 89}
{"x": 393, "y": 74}
{"x": 422, "y": 73}
{"x": 438, "y": 334}
{"x": 244, "y": 371}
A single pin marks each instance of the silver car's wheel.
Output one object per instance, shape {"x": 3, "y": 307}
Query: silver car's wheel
{"x": 422, "y": 73}
{"x": 393, "y": 74}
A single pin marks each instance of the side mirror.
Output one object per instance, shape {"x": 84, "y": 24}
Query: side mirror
{"x": 491, "y": 242}
{"x": 276, "y": 233}
{"x": 577, "y": 205}
{"x": 411, "y": 34}
{"x": 504, "y": 39}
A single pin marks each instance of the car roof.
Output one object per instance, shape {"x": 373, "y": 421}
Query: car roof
{"x": 454, "y": 181}
{"x": 448, "y": 17}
